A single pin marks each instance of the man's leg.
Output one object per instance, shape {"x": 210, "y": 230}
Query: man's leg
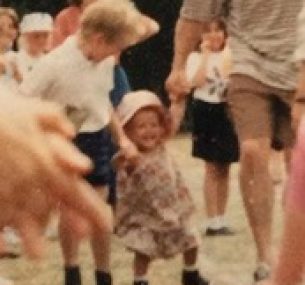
{"x": 257, "y": 192}
{"x": 250, "y": 106}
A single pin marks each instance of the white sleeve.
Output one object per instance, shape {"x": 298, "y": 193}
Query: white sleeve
{"x": 192, "y": 65}
{"x": 109, "y": 84}
{"x": 109, "y": 73}
{"x": 38, "y": 81}
{"x": 300, "y": 50}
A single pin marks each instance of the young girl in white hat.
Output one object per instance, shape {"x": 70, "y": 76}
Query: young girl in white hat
{"x": 154, "y": 206}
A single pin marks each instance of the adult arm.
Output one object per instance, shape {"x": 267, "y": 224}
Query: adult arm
{"x": 194, "y": 14}
{"x": 298, "y": 108}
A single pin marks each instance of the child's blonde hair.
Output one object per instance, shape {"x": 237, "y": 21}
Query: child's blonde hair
{"x": 11, "y": 13}
{"x": 117, "y": 21}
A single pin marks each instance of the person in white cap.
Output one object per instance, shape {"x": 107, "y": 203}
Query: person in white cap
{"x": 154, "y": 208}
{"x": 35, "y": 32}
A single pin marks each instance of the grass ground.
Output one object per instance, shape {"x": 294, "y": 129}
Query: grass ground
{"x": 226, "y": 260}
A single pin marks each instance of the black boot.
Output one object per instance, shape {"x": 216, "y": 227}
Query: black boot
{"x": 193, "y": 278}
{"x": 72, "y": 275}
{"x": 103, "y": 278}
{"x": 140, "y": 283}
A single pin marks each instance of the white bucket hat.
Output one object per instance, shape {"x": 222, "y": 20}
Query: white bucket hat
{"x": 133, "y": 102}
{"x": 35, "y": 22}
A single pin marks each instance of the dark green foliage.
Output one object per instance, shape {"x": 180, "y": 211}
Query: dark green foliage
{"x": 25, "y": 6}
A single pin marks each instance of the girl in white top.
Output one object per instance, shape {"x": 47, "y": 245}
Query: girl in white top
{"x": 214, "y": 139}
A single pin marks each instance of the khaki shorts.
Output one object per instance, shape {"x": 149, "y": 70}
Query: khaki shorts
{"x": 260, "y": 111}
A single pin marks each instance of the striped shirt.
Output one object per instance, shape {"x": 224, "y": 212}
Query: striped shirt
{"x": 262, "y": 35}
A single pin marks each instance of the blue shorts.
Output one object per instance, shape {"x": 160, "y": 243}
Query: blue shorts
{"x": 99, "y": 148}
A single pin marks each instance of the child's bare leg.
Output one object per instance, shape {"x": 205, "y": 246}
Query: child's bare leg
{"x": 101, "y": 245}
{"x": 223, "y": 188}
{"x": 69, "y": 246}
{"x": 210, "y": 190}
{"x": 190, "y": 257}
{"x": 190, "y": 273}
{"x": 141, "y": 264}
{"x": 216, "y": 189}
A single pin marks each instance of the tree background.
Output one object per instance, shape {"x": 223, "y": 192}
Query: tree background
{"x": 25, "y": 6}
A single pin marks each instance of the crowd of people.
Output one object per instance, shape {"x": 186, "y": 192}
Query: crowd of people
{"x": 78, "y": 139}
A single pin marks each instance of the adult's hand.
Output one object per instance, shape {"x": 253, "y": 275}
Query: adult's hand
{"x": 297, "y": 112}
{"x": 177, "y": 85}
{"x": 39, "y": 168}
{"x": 298, "y": 108}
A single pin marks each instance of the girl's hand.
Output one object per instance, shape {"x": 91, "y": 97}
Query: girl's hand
{"x": 129, "y": 151}
{"x": 205, "y": 47}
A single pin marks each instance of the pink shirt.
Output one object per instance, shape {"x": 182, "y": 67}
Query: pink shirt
{"x": 297, "y": 177}
{"x": 66, "y": 24}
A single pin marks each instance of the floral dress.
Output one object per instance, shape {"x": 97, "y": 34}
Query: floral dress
{"x": 154, "y": 207}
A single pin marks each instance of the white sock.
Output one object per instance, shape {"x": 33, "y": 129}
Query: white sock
{"x": 222, "y": 221}
{"x": 213, "y": 223}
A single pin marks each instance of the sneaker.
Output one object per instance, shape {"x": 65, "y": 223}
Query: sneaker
{"x": 103, "y": 278}
{"x": 224, "y": 231}
{"x": 193, "y": 278}
{"x": 138, "y": 283}
{"x": 262, "y": 272}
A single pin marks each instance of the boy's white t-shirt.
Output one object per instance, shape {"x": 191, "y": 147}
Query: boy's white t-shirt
{"x": 213, "y": 90}
{"x": 81, "y": 86}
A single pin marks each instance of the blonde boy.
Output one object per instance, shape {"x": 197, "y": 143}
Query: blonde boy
{"x": 79, "y": 75}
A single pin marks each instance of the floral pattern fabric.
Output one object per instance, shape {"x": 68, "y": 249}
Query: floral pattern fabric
{"x": 154, "y": 208}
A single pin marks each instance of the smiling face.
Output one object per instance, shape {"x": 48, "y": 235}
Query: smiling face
{"x": 145, "y": 129}
{"x": 216, "y": 36}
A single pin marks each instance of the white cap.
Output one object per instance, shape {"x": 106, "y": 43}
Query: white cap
{"x": 132, "y": 102}
{"x": 35, "y": 22}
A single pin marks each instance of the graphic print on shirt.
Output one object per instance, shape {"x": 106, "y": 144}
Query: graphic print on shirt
{"x": 216, "y": 85}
